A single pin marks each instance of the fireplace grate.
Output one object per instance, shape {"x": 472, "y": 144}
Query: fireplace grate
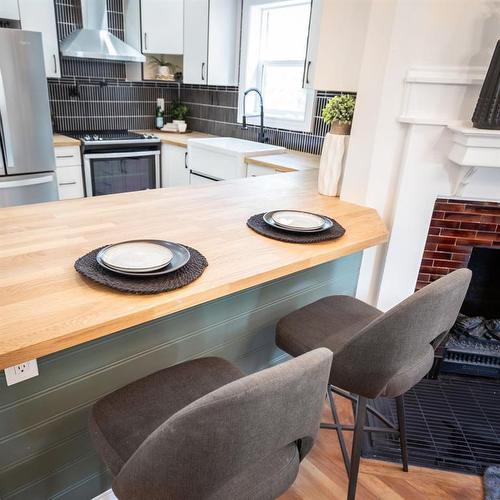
{"x": 453, "y": 423}
{"x": 471, "y": 357}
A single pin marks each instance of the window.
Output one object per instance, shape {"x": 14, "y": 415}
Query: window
{"x": 274, "y": 46}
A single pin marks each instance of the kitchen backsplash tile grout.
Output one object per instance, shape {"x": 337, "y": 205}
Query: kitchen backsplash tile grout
{"x": 107, "y": 101}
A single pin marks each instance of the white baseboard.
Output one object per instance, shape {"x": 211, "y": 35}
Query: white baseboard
{"x": 107, "y": 495}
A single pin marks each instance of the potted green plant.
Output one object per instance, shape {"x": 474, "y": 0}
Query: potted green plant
{"x": 179, "y": 111}
{"x": 338, "y": 113}
{"x": 166, "y": 70}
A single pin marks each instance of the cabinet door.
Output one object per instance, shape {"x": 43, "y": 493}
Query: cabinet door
{"x": 69, "y": 182}
{"x": 67, "y": 156}
{"x": 337, "y": 60}
{"x": 39, "y": 15}
{"x": 9, "y": 9}
{"x": 312, "y": 43}
{"x": 197, "y": 180}
{"x": 195, "y": 41}
{"x": 162, "y": 26}
{"x": 257, "y": 170}
{"x": 174, "y": 168}
{"x": 223, "y": 42}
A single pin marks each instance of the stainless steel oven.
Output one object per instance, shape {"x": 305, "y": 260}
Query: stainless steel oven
{"x": 120, "y": 162}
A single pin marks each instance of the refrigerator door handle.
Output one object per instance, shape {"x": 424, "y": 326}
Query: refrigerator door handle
{"x": 26, "y": 182}
{"x": 4, "y": 127}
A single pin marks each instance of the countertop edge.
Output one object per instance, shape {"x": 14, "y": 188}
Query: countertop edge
{"x": 37, "y": 350}
{"x": 61, "y": 140}
{"x": 263, "y": 161}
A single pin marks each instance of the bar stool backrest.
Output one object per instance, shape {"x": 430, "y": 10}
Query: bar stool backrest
{"x": 394, "y": 351}
{"x": 226, "y": 433}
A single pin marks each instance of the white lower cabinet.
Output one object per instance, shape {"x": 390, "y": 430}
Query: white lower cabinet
{"x": 68, "y": 156}
{"x": 256, "y": 170}
{"x": 197, "y": 179}
{"x": 69, "y": 173}
{"x": 174, "y": 166}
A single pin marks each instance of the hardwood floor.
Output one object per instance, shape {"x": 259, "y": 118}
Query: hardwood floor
{"x": 322, "y": 475}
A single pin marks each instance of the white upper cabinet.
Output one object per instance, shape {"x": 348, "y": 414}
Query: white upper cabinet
{"x": 336, "y": 42}
{"x": 195, "y": 65}
{"x": 223, "y": 42}
{"x": 9, "y": 9}
{"x": 39, "y": 15}
{"x": 211, "y": 41}
{"x": 313, "y": 44}
{"x": 162, "y": 26}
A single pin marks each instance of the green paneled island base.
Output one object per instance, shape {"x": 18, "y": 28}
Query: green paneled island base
{"x": 90, "y": 340}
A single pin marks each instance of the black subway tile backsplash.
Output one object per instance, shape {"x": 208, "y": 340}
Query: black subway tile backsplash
{"x": 105, "y": 100}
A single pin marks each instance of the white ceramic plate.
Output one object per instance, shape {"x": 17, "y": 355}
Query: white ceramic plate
{"x": 268, "y": 219}
{"x": 298, "y": 220}
{"x": 136, "y": 256}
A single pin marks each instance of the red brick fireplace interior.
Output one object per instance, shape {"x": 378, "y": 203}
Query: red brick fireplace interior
{"x": 466, "y": 233}
{"x": 457, "y": 226}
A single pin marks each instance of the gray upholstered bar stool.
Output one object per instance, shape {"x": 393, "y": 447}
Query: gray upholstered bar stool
{"x": 202, "y": 430}
{"x": 375, "y": 354}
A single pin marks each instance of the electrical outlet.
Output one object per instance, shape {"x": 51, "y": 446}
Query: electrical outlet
{"x": 20, "y": 372}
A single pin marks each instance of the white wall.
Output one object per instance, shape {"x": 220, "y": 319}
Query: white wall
{"x": 423, "y": 64}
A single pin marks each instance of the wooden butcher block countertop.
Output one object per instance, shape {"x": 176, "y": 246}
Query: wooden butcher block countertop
{"x": 46, "y": 306}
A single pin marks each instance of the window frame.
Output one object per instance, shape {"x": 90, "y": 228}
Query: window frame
{"x": 304, "y": 125}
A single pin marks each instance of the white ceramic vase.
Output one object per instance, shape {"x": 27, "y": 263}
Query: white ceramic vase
{"x": 331, "y": 164}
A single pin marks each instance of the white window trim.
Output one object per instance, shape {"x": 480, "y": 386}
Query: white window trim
{"x": 269, "y": 121}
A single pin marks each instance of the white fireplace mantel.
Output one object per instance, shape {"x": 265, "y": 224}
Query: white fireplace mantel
{"x": 442, "y": 156}
{"x": 471, "y": 150}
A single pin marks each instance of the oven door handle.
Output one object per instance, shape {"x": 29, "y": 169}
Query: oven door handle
{"x": 124, "y": 154}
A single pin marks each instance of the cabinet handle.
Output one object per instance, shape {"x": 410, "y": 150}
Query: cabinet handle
{"x": 202, "y": 71}
{"x": 145, "y": 41}
{"x": 67, "y": 183}
{"x": 55, "y": 63}
{"x": 185, "y": 160}
{"x": 307, "y": 71}
{"x": 65, "y": 156}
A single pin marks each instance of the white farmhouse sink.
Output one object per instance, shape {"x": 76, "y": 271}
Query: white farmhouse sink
{"x": 224, "y": 157}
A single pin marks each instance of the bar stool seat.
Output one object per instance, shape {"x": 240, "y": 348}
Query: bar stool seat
{"x": 122, "y": 420}
{"x": 329, "y": 322}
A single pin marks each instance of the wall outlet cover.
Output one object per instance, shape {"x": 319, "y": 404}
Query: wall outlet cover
{"x": 20, "y": 372}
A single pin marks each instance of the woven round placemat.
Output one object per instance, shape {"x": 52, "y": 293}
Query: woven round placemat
{"x": 88, "y": 267}
{"x": 257, "y": 223}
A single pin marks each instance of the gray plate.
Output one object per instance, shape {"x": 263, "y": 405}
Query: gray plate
{"x": 180, "y": 259}
{"x": 268, "y": 219}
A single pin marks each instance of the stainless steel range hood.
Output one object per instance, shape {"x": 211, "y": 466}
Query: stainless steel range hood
{"x": 94, "y": 41}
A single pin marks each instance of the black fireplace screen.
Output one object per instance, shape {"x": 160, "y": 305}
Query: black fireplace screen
{"x": 483, "y": 296}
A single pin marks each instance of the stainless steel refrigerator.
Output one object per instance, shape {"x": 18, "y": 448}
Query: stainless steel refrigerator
{"x": 27, "y": 162}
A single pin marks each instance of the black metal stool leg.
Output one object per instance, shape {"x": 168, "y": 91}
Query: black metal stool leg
{"x": 400, "y": 407}
{"x": 336, "y": 420}
{"x": 356, "y": 447}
